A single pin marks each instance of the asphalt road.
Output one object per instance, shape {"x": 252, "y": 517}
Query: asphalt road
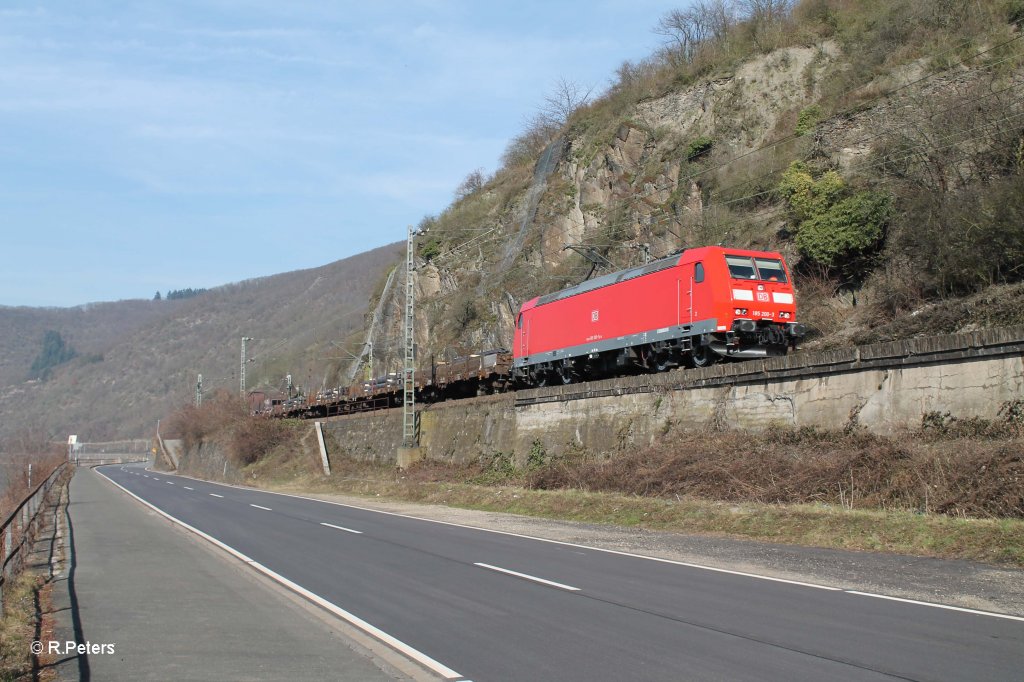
{"x": 491, "y": 606}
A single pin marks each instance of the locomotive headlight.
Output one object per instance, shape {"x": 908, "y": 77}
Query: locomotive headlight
{"x": 740, "y": 311}
{"x": 785, "y": 315}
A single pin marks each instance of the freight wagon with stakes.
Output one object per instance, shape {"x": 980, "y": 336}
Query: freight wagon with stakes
{"x": 690, "y": 309}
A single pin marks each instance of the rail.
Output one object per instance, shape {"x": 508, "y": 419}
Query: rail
{"x": 18, "y": 531}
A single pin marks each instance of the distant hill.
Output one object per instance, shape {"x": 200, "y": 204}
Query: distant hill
{"x": 89, "y": 328}
{"x": 139, "y": 359}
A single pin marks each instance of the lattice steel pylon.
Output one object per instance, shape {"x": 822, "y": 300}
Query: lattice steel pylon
{"x": 409, "y": 436}
{"x": 241, "y": 372}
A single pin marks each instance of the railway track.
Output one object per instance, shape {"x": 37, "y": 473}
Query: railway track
{"x": 473, "y": 378}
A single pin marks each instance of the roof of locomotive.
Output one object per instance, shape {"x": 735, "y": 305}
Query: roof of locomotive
{"x": 638, "y": 271}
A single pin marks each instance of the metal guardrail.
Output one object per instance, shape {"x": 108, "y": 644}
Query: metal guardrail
{"x": 17, "y": 532}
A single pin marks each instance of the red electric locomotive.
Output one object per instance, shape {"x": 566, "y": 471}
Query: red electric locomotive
{"x": 693, "y": 308}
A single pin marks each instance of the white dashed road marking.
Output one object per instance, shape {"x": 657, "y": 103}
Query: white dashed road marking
{"x": 347, "y": 530}
{"x": 529, "y": 577}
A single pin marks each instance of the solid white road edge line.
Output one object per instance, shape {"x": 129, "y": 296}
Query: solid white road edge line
{"x": 347, "y": 530}
{"x": 528, "y": 577}
{"x": 400, "y": 646}
{"x": 259, "y": 507}
{"x": 993, "y": 614}
{"x": 938, "y": 606}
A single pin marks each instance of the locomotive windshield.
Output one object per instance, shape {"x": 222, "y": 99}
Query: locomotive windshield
{"x": 741, "y": 267}
{"x": 745, "y": 267}
{"x": 770, "y": 269}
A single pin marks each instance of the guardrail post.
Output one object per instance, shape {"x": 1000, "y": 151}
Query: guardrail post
{"x": 3, "y": 571}
{"x": 8, "y": 547}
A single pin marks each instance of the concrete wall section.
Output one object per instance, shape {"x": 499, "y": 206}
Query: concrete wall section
{"x": 455, "y": 431}
{"x": 374, "y": 436}
{"x": 884, "y": 388}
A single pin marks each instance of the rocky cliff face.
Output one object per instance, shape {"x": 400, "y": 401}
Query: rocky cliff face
{"x": 701, "y": 163}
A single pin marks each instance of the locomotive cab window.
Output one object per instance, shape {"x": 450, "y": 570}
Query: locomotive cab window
{"x": 741, "y": 267}
{"x": 770, "y": 269}
{"x": 519, "y": 321}
{"x": 698, "y": 273}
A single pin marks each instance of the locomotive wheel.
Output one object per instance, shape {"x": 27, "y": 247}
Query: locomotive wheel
{"x": 702, "y": 356}
{"x": 663, "y": 362}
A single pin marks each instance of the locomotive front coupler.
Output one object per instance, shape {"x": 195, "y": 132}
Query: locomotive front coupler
{"x": 743, "y": 326}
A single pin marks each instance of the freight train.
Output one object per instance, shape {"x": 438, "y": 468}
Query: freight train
{"x": 691, "y": 309}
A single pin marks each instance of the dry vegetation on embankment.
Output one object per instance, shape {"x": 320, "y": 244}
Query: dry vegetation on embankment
{"x": 26, "y": 599}
{"x": 953, "y": 488}
{"x": 23, "y": 447}
{"x": 26, "y": 596}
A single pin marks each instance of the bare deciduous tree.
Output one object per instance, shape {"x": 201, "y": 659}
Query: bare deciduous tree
{"x": 686, "y": 31}
{"x": 706, "y": 21}
{"x": 766, "y": 19}
{"x": 719, "y": 16}
{"x": 565, "y": 98}
{"x": 471, "y": 184}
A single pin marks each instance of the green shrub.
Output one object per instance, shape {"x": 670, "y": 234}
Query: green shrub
{"x": 806, "y": 196}
{"x": 430, "y": 250}
{"x": 699, "y": 147}
{"x": 807, "y": 119}
{"x": 537, "y": 457}
{"x": 835, "y": 230}
{"x": 848, "y": 230}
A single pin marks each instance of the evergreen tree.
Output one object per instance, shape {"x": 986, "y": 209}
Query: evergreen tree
{"x": 55, "y": 352}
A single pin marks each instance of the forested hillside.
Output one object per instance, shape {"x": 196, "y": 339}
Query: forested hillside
{"x": 131, "y": 373}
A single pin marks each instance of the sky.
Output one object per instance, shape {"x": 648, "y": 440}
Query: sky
{"x": 155, "y": 146}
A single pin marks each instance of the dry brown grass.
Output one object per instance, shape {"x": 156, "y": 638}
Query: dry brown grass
{"x": 977, "y": 470}
{"x": 24, "y": 599}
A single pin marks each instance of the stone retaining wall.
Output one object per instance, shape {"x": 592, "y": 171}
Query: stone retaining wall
{"x": 884, "y": 387}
